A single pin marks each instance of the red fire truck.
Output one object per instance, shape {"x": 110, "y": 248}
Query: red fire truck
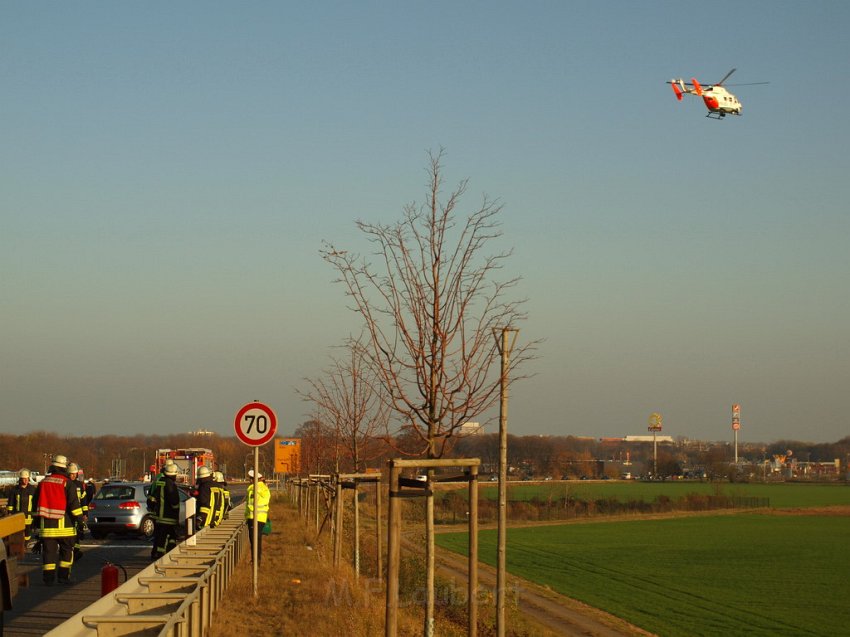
{"x": 187, "y": 460}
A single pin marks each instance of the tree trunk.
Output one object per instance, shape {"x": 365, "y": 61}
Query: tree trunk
{"x": 430, "y": 562}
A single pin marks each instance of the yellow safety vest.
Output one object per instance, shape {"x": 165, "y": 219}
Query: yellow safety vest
{"x": 264, "y": 496}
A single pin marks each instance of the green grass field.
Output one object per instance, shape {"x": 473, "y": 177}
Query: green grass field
{"x": 747, "y": 574}
{"x": 782, "y": 495}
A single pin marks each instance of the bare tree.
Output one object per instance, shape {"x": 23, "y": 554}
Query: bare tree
{"x": 431, "y": 309}
{"x": 346, "y": 397}
{"x": 319, "y": 446}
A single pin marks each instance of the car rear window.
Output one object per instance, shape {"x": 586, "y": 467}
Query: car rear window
{"x": 115, "y": 493}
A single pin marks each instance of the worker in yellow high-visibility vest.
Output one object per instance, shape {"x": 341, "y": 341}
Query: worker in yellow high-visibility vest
{"x": 257, "y": 513}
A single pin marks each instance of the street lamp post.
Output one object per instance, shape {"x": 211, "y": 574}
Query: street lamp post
{"x": 505, "y": 340}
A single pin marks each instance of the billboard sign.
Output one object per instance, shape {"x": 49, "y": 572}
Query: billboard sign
{"x": 287, "y": 455}
{"x": 655, "y": 422}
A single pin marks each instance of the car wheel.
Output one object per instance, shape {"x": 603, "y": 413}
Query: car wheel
{"x": 147, "y": 527}
{"x": 98, "y": 535}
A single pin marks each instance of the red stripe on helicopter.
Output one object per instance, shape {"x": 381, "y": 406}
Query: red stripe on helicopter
{"x": 711, "y": 102}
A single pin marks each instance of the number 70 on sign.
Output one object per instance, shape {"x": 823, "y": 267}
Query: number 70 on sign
{"x": 255, "y": 424}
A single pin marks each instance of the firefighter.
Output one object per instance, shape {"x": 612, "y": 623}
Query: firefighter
{"x": 227, "y": 503}
{"x": 164, "y": 505}
{"x": 206, "y": 497}
{"x": 216, "y": 500}
{"x": 91, "y": 490}
{"x": 221, "y": 498}
{"x": 22, "y": 500}
{"x": 74, "y": 474}
{"x": 58, "y": 509}
{"x": 257, "y": 514}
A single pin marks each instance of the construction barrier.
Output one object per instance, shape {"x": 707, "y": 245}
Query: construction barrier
{"x": 174, "y": 596}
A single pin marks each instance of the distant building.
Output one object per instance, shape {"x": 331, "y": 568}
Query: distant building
{"x": 668, "y": 439}
{"x": 201, "y": 432}
{"x": 611, "y": 441}
{"x": 469, "y": 429}
{"x": 662, "y": 439}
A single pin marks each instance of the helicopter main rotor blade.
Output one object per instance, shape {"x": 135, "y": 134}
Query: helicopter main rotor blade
{"x": 725, "y": 77}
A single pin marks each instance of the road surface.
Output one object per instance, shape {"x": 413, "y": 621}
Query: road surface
{"x": 38, "y": 608}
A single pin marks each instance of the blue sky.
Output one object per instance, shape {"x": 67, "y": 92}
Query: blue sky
{"x": 169, "y": 171}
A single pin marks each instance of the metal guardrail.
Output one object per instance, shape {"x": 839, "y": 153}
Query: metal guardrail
{"x": 174, "y": 596}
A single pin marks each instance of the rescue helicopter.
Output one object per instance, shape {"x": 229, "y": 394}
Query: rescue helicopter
{"x": 719, "y": 101}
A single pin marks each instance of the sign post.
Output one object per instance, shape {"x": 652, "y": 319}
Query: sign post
{"x": 255, "y": 425}
{"x": 736, "y": 426}
{"x": 655, "y": 426}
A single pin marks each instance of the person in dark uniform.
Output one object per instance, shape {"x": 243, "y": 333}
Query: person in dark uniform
{"x": 223, "y": 505}
{"x": 74, "y": 474}
{"x": 206, "y": 497}
{"x": 22, "y": 500}
{"x": 164, "y": 506}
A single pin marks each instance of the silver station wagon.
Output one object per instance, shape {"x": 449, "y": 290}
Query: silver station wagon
{"x": 121, "y": 507}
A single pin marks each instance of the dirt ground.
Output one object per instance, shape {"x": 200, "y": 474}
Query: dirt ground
{"x": 558, "y": 614}
{"x": 833, "y": 511}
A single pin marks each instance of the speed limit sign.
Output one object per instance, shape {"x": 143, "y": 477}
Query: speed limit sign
{"x": 255, "y": 424}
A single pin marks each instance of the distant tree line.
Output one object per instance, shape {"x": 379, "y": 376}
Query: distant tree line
{"x": 326, "y": 450}
{"x": 99, "y": 456}
{"x": 539, "y": 457}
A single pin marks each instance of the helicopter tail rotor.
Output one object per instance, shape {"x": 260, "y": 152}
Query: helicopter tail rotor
{"x": 676, "y": 90}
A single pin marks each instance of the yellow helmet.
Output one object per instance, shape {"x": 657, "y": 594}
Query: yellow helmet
{"x": 204, "y": 471}
{"x": 24, "y": 473}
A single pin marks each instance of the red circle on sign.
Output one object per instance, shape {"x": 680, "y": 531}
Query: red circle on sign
{"x": 255, "y": 424}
